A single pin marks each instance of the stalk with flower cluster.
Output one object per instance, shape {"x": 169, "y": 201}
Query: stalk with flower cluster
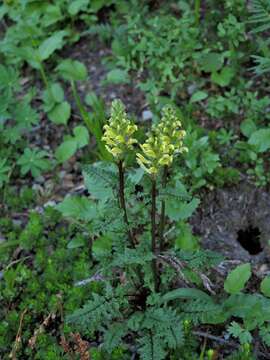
{"x": 118, "y": 137}
{"x": 163, "y": 144}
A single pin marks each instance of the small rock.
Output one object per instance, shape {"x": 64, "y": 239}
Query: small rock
{"x": 147, "y": 115}
{"x": 51, "y": 203}
{"x": 40, "y": 179}
{"x": 112, "y": 95}
{"x": 62, "y": 174}
{"x": 191, "y": 89}
{"x": 2, "y": 239}
{"x": 17, "y": 222}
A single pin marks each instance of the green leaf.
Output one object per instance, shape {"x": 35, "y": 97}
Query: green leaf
{"x": 177, "y": 210}
{"x": 76, "y": 243}
{"x": 248, "y": 127}
{"x": 224, "y": 77}
{"x": 72, "y": 70}
{"x": 57, "y": 92}
{"x": 54, "y": 42}
{"x": 265, "y": 286}
{"x": 79, "y": 208}
{"x": 238, "y": 332}
{"x": 60, "y": 113}
{"x": 198, "y": 96}
{"x": 135, "y": 175}
{"x": 33, "y": 160}
{"x": 185, "y": 293}
{"x": 81, "y": 135}
{"x": 100, "y": 180}
{"x": 76, "y": 6}
{"x": 4, "y": 171}
{"x": 237, "y": 278}
{"x": 261, "y": 139}
{"x": 117, "y": 76}
{"x": 186, "y": 240}
{"x": 102, "y": 245}
{"x": 211, "y": 62}
{"x": 66, "y": 150}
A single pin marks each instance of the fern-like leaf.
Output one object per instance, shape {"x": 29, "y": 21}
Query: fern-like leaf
{"x": 100, "y": 180}
{"x": 150, "y": 347}
{"x": 95, "y": 314}
{"x": 260, "y": 10}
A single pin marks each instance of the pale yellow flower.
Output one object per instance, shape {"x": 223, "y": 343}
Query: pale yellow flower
{"x": 163, "y": 144}
{"x": 118, "y": 133}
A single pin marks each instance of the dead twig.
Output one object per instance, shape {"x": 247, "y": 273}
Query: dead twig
{"x": 18, "y": 338}
{"x": 32, "y": 341}
{"x": 179, "y": 266}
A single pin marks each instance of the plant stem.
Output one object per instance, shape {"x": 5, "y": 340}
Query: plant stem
{"x": 43, "y": 75}
{"x": 123, "y": 200}
{"x": 197, "y": 9}
{"x": 93, "y": 128}
{"x": 162, "y": 215}
{"x": 153, "y": 232}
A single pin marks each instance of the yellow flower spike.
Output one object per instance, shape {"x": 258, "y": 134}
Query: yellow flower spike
{"x": 119, "y": 131}
{"x": 164, "y": 142}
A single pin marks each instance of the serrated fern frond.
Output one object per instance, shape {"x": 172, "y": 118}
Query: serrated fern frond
{"x": 204, "y": 312}
{"x": 262, "y": 64}
{"x": 260, "y": 10}
{"x": 150, "y": 347}
{"x": 95, "y": 314}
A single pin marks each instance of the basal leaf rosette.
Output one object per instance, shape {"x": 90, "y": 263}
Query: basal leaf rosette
{"x": 118, "y": 133}
{"x": 163, "y": 144}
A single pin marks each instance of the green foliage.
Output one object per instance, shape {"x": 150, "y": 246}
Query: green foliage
{"x": 265, "y": 286}
{"x": 57, "y": 109}
{"x": 72, "y": 143}
{"x": 33, "y": 161}
{"x": 237, "y": 278}
{"x": 143, "y": 297}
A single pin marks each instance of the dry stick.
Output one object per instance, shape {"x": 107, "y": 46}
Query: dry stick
{"x": 18, "y": 339}
{"x": 153, "y": 232}
{"x": 162, "y": 216}
{"x": 123, "y": 201}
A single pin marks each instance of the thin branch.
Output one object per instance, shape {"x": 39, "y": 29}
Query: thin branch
{"x": 123, "y": 201}
{"x": 153, "y": 232}
{"x": 162, "y": 216}
{"x": 18, "y": 338}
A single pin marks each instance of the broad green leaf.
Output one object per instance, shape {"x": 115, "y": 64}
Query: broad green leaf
{"x": 198, "y": 96}
{"x": 186, "y": 240}
{"x": 54, "y": 42}
{"x": 66, "y": 150}
{"x": 224, "y": 77}
{"x": 248, "y": 127}
{"x": 77, "y": 6}
{"x": 185, "y": 293}
{"x": 76, "y": 242}
{"x": 72, "y": 70}
{"x": 57, "y": 92}
{"x": 102, "y": 245}
{"x": 135, "y": 175}
{"x": 100, "y": 179}
{"x": 211, "y": 62}
{"x": 261, "y": 139}
{"x": 79, "y": 208}
{"x": 81, "y": 135}
{"x": 60, "y": 113}
{"x": 177, "y": 210}
{"x": 265, "y": 286}
{"x": 117, "y": 76}
{"x": 237, "y": 278}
